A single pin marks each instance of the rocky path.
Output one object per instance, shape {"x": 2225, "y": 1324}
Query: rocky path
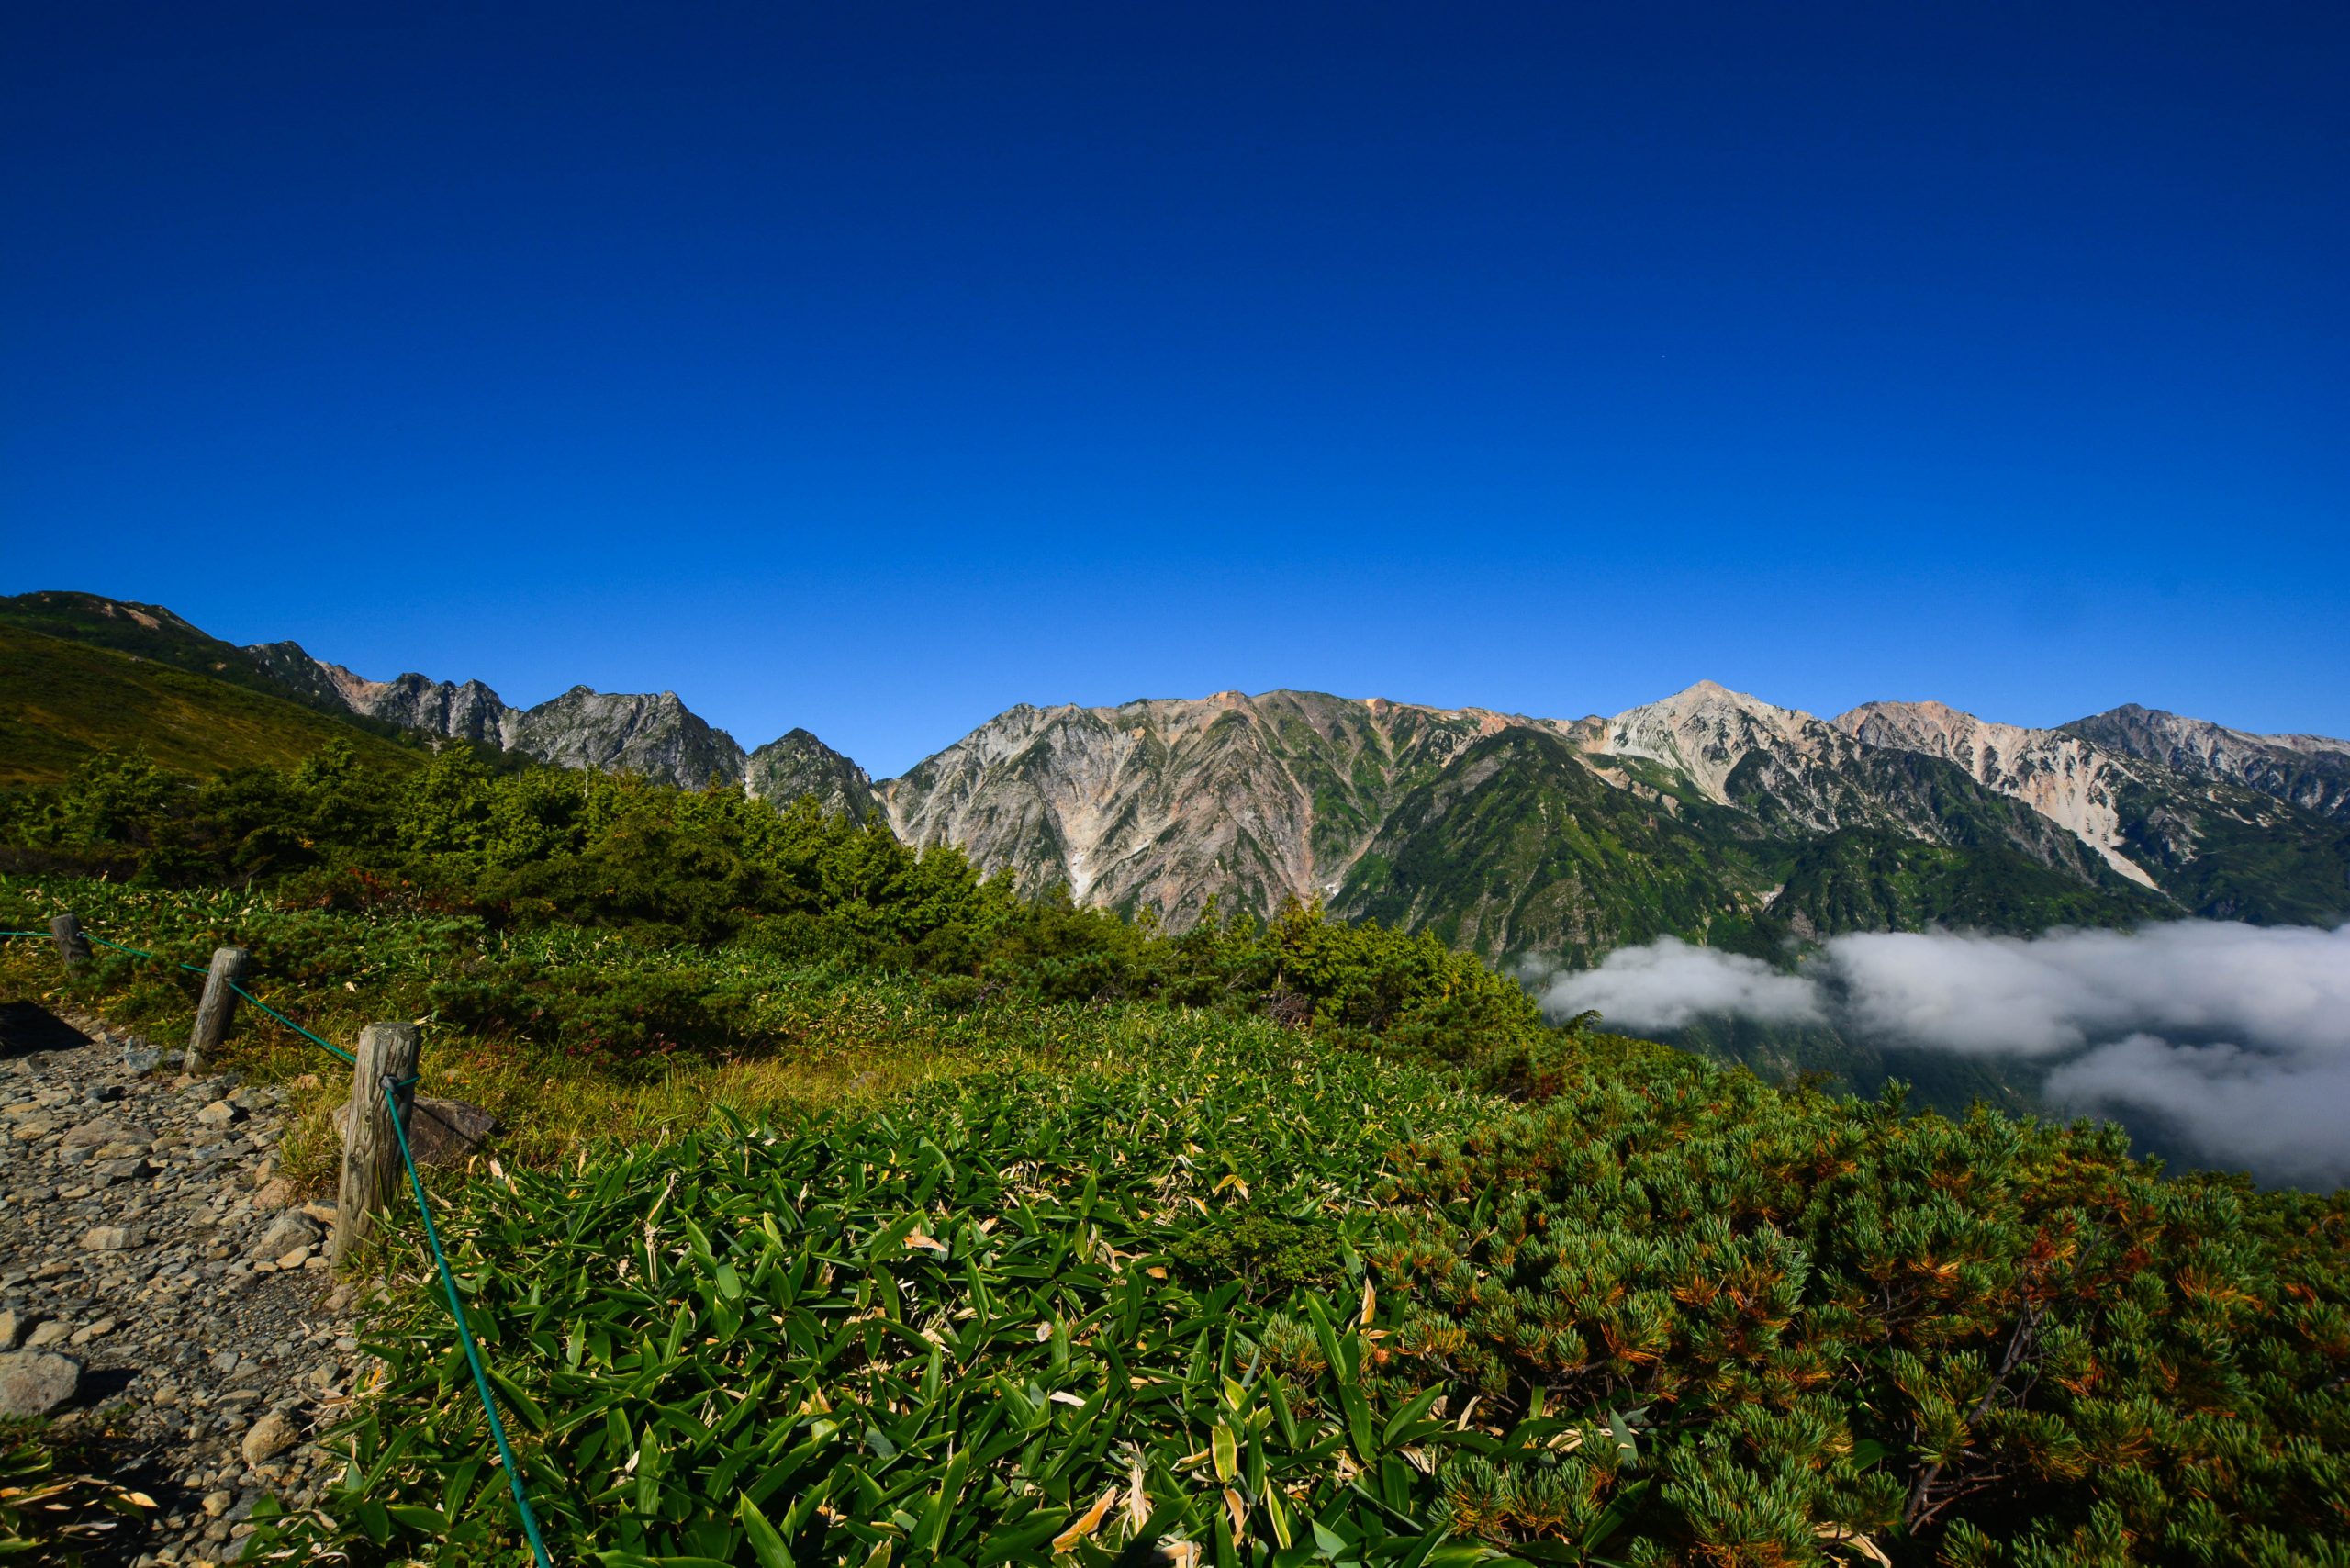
{"x": 159, "y": 1284}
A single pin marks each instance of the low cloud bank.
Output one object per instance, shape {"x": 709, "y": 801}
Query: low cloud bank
{"x": 2237, "y": 1036}
{"x": 1669, "y": 983}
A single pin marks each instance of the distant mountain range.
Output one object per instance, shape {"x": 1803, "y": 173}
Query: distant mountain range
{"x": 1709, "y": 814}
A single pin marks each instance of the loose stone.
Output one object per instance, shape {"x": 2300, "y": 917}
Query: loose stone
{"x": 270, "y": 1436}
{"x": 34, "y": 1382}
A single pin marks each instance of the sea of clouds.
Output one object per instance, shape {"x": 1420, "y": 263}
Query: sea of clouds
{"x": 2236, "y": 1037}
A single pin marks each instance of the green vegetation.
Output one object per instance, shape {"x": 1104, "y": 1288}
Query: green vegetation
{"x": 2267, "y": 861}
{"x": 153, "y": 634}
{"x": 52, "y": 1508}
{"x": 64, "y": 703}
{"x": 1520, "y": 848}
{"x": 1876, "y": 880}
{"x": 852, "y": 1210}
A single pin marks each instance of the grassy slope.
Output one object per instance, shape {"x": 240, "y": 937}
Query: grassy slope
{"x": 154, "y": 632}
{"x": 62, "y": 700}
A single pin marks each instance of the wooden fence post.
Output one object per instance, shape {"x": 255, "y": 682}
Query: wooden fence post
{"x": 371, "y": 1151}
{"x": 71, "y": 946}
{"x": 219, "y": 1006}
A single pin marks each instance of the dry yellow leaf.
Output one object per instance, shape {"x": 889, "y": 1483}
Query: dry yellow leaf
{"x": 1138, "y": 1501}
{"x": 1086, "y": 1523}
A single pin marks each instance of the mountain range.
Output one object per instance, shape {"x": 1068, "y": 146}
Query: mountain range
{"x": 1709, "y": 814}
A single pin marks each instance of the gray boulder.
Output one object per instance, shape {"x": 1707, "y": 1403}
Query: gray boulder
{"x": 34, "y": 1382}
{"x": 290, "y": 1230}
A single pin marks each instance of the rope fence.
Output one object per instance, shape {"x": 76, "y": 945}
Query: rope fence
{"x": 389, "y": 1086}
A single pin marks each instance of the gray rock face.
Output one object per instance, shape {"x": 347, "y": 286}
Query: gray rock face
{"x": 1167, "y": 804}
{"x": 657, "y": 736}
{"x": 470, "y": 711}
{"x": 34, "y": 1382}
{"x": 2311, "y": 771}
{"x": 1374, "y": 805}
{"x": 654, "y": 734}
{"x": 798, "y": 765}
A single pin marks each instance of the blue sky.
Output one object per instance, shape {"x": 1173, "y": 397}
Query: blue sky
{"x": 875, "y": 367}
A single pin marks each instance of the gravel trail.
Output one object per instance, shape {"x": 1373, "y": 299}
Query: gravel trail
{"x": 146, "y": 1242}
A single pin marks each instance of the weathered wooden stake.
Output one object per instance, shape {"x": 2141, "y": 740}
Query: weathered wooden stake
{"x": 219, "y": 1006}
{"x": 71, "y": 946}
{"x": 371, "y": 1153}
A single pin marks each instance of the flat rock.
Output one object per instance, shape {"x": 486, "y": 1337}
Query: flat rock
{"x": 50, "y": 1333}
{"x": 288, "y": 1232}
{"x": 34, "y": 1382}
{"x": 440, "y": 1132}
{"x": 267, "y": 1438}
{"x": 220, "y": 1114}
{"x": 100, "y": 1131}
{"x": 110, "y": 1239}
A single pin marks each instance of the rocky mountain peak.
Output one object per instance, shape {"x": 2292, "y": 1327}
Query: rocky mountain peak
{"x": 651, "y": 734}
{"x": 2065, "y": 779}
{"x": 2311, "y": 771}
{"x": 797, "y": 764}
{"x": 1706, "y": 730}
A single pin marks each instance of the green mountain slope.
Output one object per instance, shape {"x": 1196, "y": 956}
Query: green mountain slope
{"x": 61, "y": 701}
{"x": 1520, "y": 848}
{"x": 152, "y": 632}
{"x": 2227, "y": 853}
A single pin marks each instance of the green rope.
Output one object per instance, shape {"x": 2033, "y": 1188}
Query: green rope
{"x": 289, "y": 1023}
{"x": 134, "y": 952}
{"x": 23, "y": 933}
{"x": 466, "y": 1337}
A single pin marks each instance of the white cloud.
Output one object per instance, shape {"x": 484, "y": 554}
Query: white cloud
{"x": 2237, "y": 1037}
{"x": 1668, "y": 983}
{"x": 2281, "y": 988}
{"x": 2284, "y": 1116}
